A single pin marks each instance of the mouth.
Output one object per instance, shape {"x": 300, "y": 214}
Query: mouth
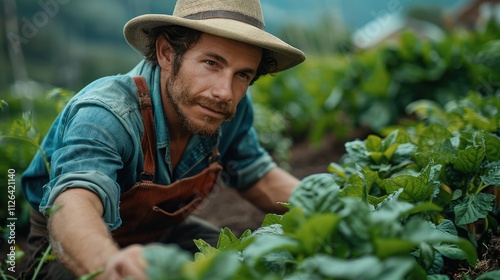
{"x": 214, "y": 113}
{"x": 213, "y": 109}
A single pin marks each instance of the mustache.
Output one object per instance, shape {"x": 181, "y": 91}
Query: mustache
{"x": 217, "y": 106}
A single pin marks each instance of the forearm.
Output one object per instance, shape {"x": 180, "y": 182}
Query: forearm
{"x": 79, "y": 237}
{"x": 275, "y": 187}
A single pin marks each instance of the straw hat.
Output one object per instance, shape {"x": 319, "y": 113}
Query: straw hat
{"x": 240, "y": 20}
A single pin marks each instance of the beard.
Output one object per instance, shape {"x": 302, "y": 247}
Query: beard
{"x": 179, "y": 95}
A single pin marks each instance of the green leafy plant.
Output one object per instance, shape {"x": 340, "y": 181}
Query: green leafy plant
{"x": 324, "y": 235}
{"x": 271, "y": 127}
{"x": 23, "y": 130}
{"x": 20, "y": 143}
{"x": 450, "y": 157}
{"x": 47, "y": 255}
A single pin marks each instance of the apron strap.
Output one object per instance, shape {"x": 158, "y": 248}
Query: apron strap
{"x": 148, "y": 142}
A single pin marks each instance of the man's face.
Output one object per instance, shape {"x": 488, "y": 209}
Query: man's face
{"x": 214, "y": 76}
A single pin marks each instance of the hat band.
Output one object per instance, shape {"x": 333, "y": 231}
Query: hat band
{"x": 227, "y": 14}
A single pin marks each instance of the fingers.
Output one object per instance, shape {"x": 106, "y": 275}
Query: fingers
{"x": 128, "y": 263}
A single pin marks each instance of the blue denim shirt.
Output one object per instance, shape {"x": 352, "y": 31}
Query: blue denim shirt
{"x": 95, "y": 143}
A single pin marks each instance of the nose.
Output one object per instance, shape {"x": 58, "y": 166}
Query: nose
{"x": 223, "y": 89}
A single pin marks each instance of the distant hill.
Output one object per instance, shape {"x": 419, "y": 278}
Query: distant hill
{"x": 352, "y": 13}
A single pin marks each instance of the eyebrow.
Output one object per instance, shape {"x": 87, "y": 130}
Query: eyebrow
{"x": 224, "y": 62}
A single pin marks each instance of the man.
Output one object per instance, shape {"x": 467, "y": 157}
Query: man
{"x": 131, "y": 156}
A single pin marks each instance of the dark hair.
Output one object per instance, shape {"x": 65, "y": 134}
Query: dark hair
{"x": 182, "y": 38}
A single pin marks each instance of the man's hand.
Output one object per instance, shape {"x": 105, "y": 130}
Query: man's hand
{"x": 128, "y": 263}
{"x": 276, "y": 186}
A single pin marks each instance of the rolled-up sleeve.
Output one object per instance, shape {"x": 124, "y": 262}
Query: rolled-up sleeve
{"x": 94, "y": 146}
{"x": 245, "y": 161}
{"x": 92, "y": 181}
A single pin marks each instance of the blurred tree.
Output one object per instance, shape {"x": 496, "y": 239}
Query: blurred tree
{"x": 327, "y": 35}
{"x": 14, "y": 48}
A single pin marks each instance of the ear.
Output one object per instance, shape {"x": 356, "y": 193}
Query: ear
{"x": 164, "y": 53}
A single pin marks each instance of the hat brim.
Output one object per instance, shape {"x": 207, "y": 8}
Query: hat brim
{"x": 286, "y": 56}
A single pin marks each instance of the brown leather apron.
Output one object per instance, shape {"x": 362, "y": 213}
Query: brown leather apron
{"x": 148, "y": 209}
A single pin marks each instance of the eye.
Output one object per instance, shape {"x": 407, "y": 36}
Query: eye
{"x": 210, "y": 62}
{"x": 243, "y": 75}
